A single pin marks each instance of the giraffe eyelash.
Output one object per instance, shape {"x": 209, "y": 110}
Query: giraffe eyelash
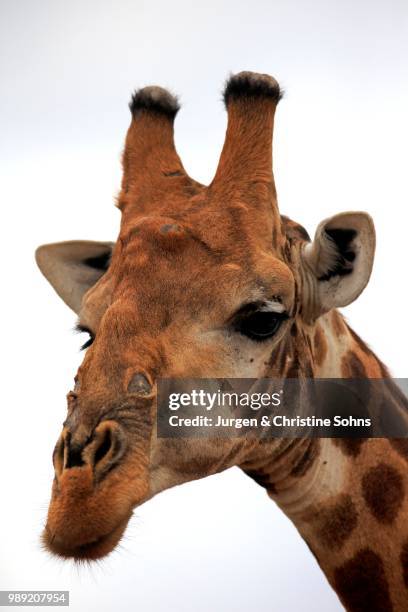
{"x": 82, "y": 329}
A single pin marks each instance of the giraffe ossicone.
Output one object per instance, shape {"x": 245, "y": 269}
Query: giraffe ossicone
{"x": 186, "y": 291}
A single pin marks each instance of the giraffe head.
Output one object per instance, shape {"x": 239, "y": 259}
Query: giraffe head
{"x": 201, "y": 282}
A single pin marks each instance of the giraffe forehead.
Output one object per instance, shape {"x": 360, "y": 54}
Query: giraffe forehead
{"x": 224, "y": 229}
{"x": 166, "y": 248}
{"x": 156, "y": 236}
{"x": 154, "y": 230}
{"x": 161, "y": 254}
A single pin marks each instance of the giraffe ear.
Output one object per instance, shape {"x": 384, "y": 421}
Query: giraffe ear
{"x": 339, "y": 261}
{"x": 73, "y": 267}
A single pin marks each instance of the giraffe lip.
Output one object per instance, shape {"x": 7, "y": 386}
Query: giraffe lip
{"x": 88, "y": 551}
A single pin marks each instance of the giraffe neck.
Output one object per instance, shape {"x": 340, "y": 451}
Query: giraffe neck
{"x": 347, "y": 498}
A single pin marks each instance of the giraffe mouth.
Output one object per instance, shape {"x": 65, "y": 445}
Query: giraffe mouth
{"x": 88, "y": 551}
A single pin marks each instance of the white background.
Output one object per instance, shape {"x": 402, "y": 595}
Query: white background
{"x": 67, "y": 71}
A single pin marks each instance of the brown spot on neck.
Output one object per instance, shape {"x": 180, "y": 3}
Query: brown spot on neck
{"x": 334, "y": 524}
{"x": 371, "y": 359}
{"x": 352, "y": 366}
{"x": 362, "y": 585}
{"x": 383, "y": 492}
{"x": 319, "y": 345}
{"x": 401, "y": 446}
{"x": 338, "y": 324}
{"x": 350, "y": 446}
{"x": 360, "y": 343}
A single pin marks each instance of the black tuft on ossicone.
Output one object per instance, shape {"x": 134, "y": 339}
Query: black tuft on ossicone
{"x": 154, "y": 99}
{"x": 251, "y": 85}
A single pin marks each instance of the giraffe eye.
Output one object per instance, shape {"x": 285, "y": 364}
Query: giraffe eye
{"x": 84, "y": 330}
{"x": 259, "y": 324}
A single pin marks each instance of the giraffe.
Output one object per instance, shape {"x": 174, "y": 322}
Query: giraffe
{"x": 212, "y": 281}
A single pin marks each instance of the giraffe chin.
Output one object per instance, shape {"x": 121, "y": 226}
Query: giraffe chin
{"x": 88, "y": 551}
{"x": 86, "y": 520}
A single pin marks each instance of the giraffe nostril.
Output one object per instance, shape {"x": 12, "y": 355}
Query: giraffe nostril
{"x": 104, "y": 447}
{"x": 100, "y": 450}
{"x": 74, "y": 457}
